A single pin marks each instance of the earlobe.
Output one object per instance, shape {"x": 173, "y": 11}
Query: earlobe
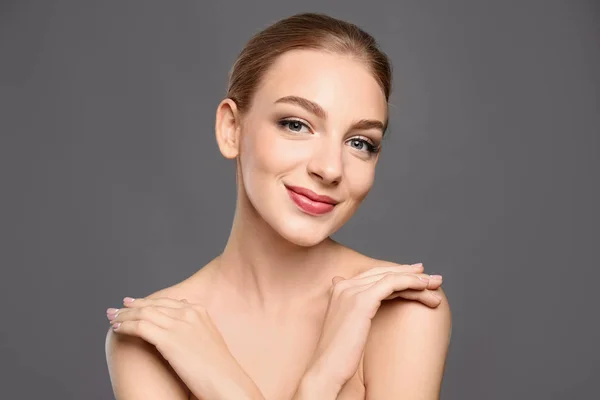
{"x": 227, "y": 126}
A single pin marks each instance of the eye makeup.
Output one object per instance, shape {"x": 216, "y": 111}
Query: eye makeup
{"x": 295, "y": 125}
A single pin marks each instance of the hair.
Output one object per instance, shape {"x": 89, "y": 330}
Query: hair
{"x": 304, "y": 31}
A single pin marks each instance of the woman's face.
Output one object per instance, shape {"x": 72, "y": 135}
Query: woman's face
{"x": 315, "y": 125}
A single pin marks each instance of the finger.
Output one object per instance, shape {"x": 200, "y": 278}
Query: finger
{"x": 426, "y": 297}
{"x": 414, "y": 268}
{"x": 162, "y": 317}
{"x": 433, "y": 280}
{"x": 337, "y": 279}
{"x": 391, "y": 283}
{"x": 374, "y": 278}
{"x": 142, "y": 329}
{"x": 159, "y": 301}
{"x": 368, "y": 282}
{"x": 423, "y": 295}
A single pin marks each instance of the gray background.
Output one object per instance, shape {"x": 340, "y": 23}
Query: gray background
{"x": 112, "y": 183}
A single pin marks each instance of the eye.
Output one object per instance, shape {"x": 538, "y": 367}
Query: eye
{"x": 365, "y": 145}
{"x": 293, "y": 125}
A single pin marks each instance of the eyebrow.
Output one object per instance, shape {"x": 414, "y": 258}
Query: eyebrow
{"x": 317, "y": 110}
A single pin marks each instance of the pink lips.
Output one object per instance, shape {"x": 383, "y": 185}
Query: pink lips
{"x": 309, "y": 201}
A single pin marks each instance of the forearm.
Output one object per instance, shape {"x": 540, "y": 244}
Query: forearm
{"x": 230, "y": 391}
{"x": 236, "y": 385}
{"x": 316, "y": 386}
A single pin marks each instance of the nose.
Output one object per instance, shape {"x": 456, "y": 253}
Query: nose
{"x": 326, "y": 163}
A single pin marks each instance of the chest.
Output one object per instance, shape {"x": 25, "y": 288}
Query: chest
{"x": 275, "y": 356}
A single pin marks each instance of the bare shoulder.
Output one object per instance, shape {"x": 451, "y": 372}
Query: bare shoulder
{"x": 407, "y": 348}
{"x": 357, "y": 262}
{"x": 137, "y": 370}
{"x": 132, "y": 360}
{"x": 393, "y": 312}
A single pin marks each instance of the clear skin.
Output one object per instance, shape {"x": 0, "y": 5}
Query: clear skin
{"x": 287, "y": 312}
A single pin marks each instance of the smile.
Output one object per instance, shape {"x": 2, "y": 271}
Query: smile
{"x": 310, "y": 202}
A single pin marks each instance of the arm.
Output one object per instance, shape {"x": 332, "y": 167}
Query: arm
{"x": 315, "y": 386}
{"x": 177, "y": 350}
{"x": 406, "y": 351}
{"x": 357, "y": 317}
{"x": 138, "y": 371}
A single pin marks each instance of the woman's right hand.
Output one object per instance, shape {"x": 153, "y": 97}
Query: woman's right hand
{"x": 352, "y": 305}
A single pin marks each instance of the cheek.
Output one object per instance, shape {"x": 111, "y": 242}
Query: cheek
{"x": 264, "y": 151}
{"x": 359, "y": 179}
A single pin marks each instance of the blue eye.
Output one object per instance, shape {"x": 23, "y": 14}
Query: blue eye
{"x": 358, "y": 143}
{"x": 363, "y": 145}
{"x": 292, "y": 125}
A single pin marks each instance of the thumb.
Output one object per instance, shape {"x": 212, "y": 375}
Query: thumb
{"x": 336, "y": 279}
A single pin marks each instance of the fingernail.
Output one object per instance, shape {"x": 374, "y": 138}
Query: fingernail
{"x": 435, "y": 277}
{"x": 417, "y": 265}
{"x": 424, "y": 279}
{"x": 128, "y": 299}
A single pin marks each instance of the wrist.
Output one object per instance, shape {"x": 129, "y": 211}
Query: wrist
{"x": 315, "y": 385}
{"x": 234, "y": 385}
{"x": 227, "y": 389}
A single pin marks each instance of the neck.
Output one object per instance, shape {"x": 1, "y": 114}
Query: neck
{"x": 267, "y": 272}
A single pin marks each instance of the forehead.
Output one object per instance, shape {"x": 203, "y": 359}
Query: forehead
{"x": 340, "y": 84}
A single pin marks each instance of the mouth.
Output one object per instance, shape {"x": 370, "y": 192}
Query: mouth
{"x": 309, "y": 201}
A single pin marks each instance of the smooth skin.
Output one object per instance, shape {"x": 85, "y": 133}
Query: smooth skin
{"x": 285, "y": 312}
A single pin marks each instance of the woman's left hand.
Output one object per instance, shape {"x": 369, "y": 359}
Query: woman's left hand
{"x": 187, "y": 338}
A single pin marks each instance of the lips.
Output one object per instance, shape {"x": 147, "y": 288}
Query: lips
{"x": 310, "y": 202}
{"x": 312, "y": 195}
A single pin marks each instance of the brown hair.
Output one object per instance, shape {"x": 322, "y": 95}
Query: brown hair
{"x": 304, "y": 31}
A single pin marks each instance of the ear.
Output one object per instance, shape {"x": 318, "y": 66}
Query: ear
{"x": 227, "y": 128}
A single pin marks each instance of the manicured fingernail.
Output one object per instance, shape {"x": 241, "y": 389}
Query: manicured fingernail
{"x": 435, "y": 277}
{"x": 424, "y": 279}
{"x": 417, "y": 265}
{"x": 128, "y": 300}
{"x": 116, "y": 325}
{"x": 111, "y": 313}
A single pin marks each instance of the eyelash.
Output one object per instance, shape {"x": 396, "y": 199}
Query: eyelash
{"x": 371, "y": 148}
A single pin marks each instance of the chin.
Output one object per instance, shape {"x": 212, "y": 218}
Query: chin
{"x": 304, "y": 239}
{"x": 297, "y": 227}
{"x": 301, "y": 233}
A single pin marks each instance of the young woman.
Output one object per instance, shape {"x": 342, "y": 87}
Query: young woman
{"x": 285, "y": 312}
